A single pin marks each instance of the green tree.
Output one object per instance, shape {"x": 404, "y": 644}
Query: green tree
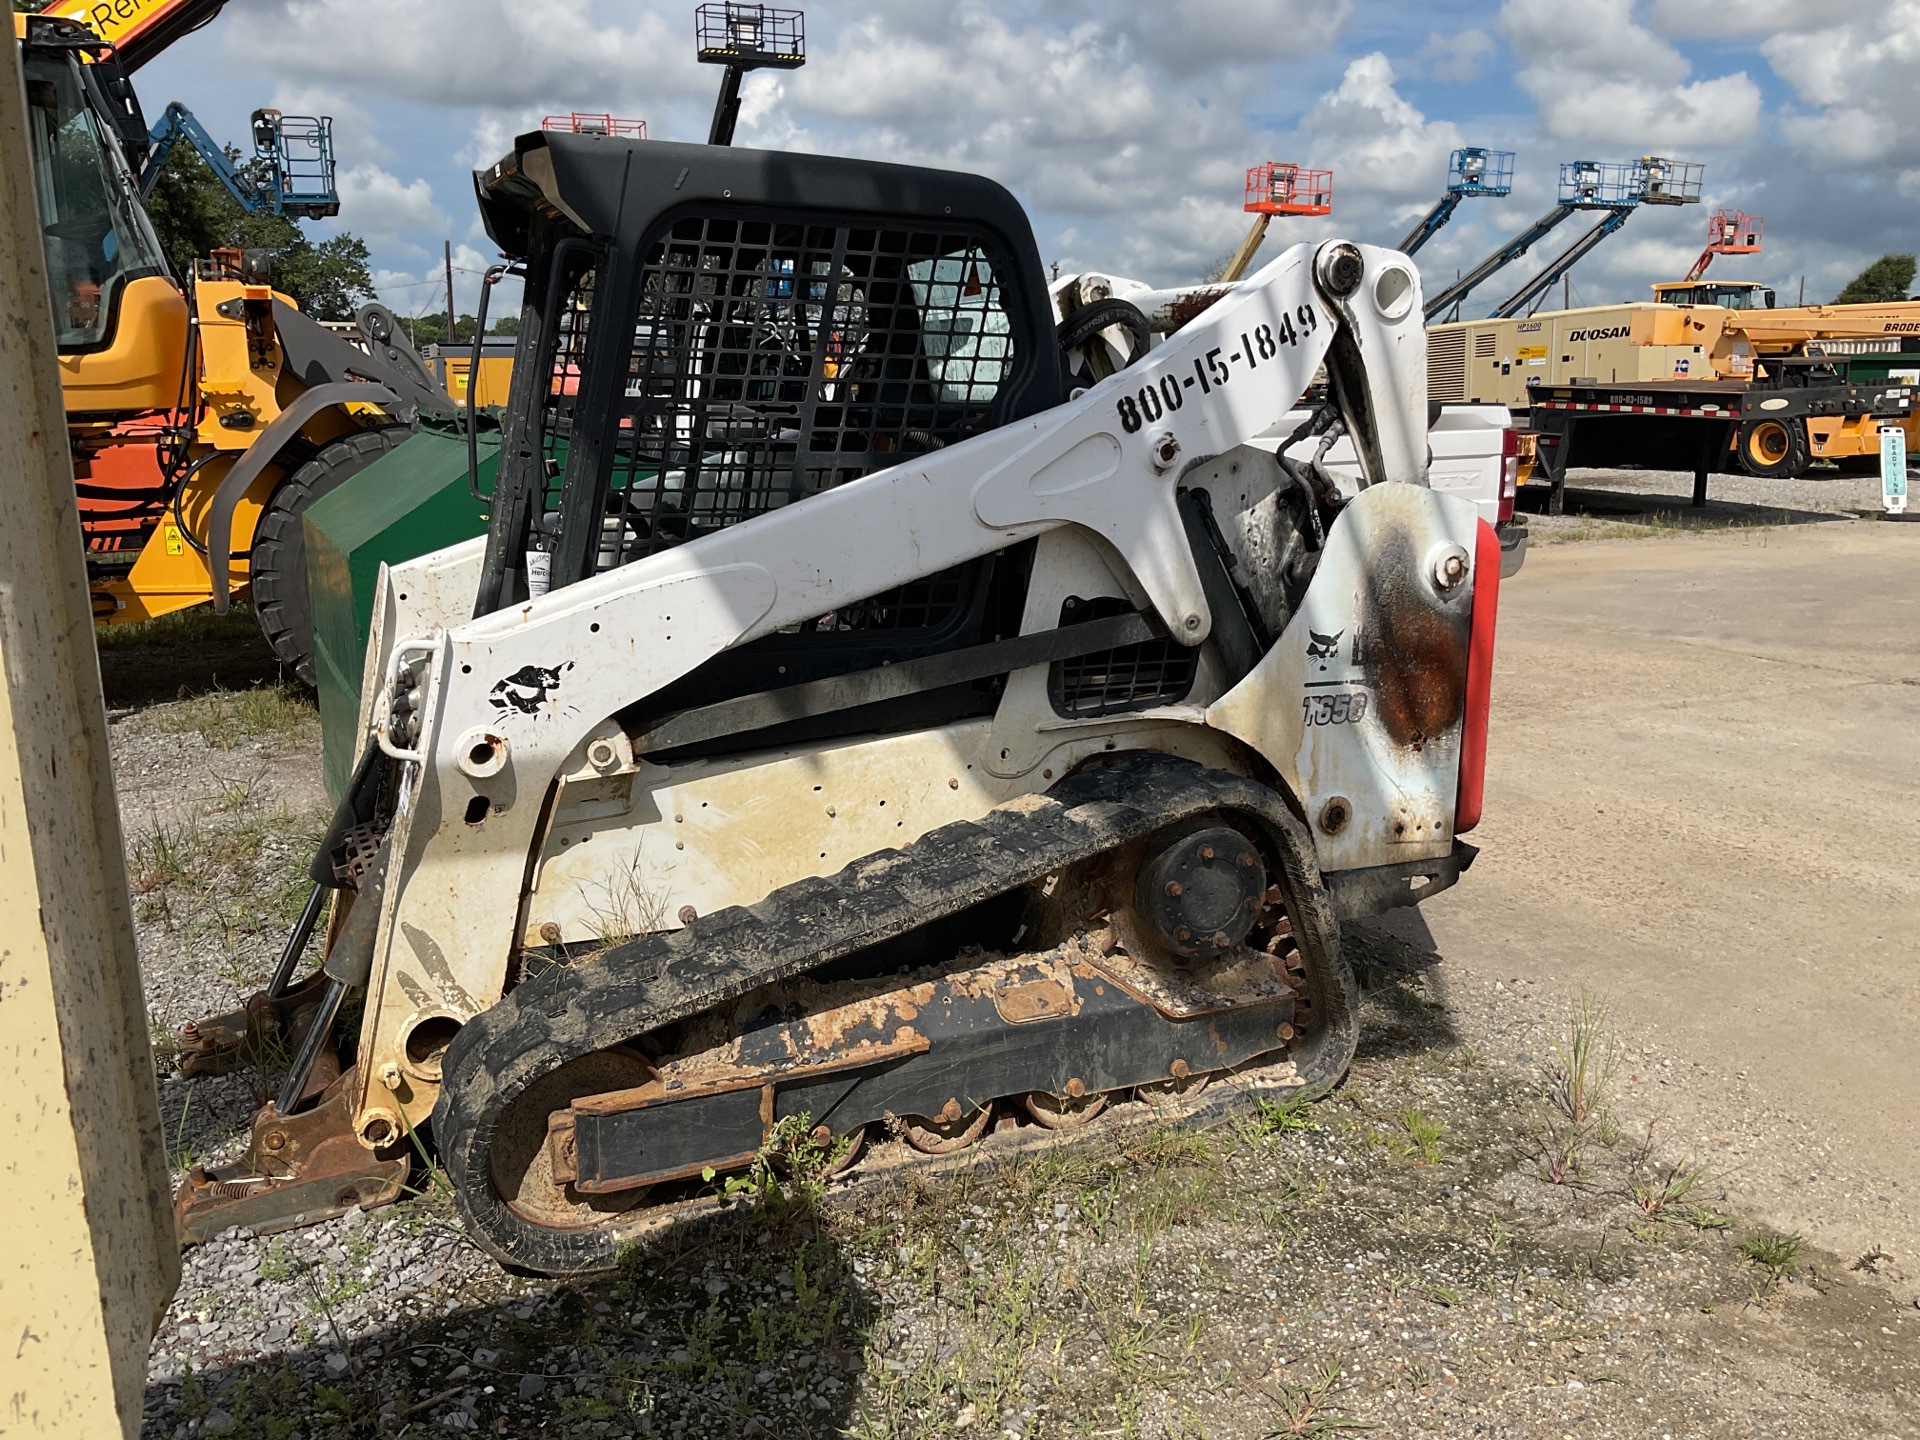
{"x": 1888, "y": 278}
{"x": 192, "y": 213}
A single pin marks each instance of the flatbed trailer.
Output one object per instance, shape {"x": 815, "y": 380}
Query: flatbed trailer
{"x": 1712, "y": 427}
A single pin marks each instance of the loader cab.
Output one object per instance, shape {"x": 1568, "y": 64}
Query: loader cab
{"x": 98, "y": 237}
{"x": 1729, "y": 294}
{"x": 711, "y": 333}
{"x": 119, "y": 319}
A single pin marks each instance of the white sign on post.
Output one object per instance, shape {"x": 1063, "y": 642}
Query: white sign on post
{"x": 1893, "y": 468}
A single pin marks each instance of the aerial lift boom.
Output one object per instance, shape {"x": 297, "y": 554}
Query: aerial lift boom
{"x": 1584, "y": 185}
{"x": 1470, "y": 171}
{"x": 1518, "y": 302}
{"x": 293, "y": 173}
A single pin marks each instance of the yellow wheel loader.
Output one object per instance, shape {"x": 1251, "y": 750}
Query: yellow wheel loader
{"x": 205, "y": 411}
{"x": 851, "y": 726}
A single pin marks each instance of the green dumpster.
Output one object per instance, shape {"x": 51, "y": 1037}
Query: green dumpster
{"x": 408, "y": 503}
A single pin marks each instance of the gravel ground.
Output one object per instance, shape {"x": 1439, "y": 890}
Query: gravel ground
{"x": 1471, "y": 1237}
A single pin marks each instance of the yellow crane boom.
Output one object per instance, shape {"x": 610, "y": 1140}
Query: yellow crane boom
{"x": 1730, "y": 338}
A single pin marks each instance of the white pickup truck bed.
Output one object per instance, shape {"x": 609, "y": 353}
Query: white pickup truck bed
{"x": 1469, "y": 460}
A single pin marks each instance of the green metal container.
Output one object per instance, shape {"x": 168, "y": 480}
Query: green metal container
{"x": 406, "y": 504}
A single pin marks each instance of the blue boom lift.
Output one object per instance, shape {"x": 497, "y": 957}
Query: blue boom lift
{"x": 291, "y": 173}
{"x": 1471, "y": 171}
{"x": 1616, "y": 187}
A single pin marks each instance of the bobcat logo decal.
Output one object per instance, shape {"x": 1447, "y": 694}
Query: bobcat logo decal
{"x": 1324, "y": 648}
{"x": 527, "y": 689}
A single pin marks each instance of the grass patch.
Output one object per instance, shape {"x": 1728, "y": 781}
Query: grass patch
{"x": 186, "y": 629}
{"x": 1422, "y": 1135}
{"x": 223, "y": 718}
{"x": 1776, "y": 1255}
{"x": 1666, "y": 1185}
{"x": 1580, "y": 1074}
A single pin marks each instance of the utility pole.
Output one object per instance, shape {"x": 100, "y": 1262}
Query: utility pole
{"x": 1566, "y": 291}
{"x": 88, "y": 1260}
{"x": 1803, "y": 289}
{"x": 450, "y": 337}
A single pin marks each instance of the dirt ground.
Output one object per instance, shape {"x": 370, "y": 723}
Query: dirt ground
{"x": 1628, "y": 1150}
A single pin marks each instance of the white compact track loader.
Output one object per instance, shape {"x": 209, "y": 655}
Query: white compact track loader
{"x": 851, "y": 726}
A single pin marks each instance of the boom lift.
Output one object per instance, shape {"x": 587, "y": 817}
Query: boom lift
{"x": 1470, "y": 171}
{"x": 205, "y": 411}
{"x": 292, "y": 172}
{"x": 848, "y": 727}
{"x": 1616, "y": 188}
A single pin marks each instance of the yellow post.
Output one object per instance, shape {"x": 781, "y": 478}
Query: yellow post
{"x": 1249, "y": 247}
{"x": 87, "y": 1254}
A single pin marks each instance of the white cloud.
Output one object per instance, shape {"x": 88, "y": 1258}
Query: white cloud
{"x": 1194, "y": 35}
{"x": 1859, "y": 75}
{"x": 1691, "y": 19}
{"x": 1456, "y": 58}
{"x": 1379, "y": 145}
{"x": 381, "y": 207}
{"x": 466, "y": 52}
{"x": 1601, "y": 78}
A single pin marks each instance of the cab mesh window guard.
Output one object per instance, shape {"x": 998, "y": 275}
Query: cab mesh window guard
{"x": 772, "y": 360}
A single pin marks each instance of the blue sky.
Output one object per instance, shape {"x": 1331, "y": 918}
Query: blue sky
{"x": 1125, "y": 125}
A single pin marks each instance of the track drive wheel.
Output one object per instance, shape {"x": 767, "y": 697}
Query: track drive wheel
{"x": 1774, "y": 448}
{"x": 521, "y": 1163}
{"x": 279, "y": 559}
{"x": 952, "y": 1129}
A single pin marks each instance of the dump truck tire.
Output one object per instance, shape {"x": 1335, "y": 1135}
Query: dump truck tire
{"x": 279, "y": 568}
{"x": 1774, "y": 448}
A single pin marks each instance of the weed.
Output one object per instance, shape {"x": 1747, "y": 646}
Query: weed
{"x": 1562, "y": 1153}
{"x": 1423, "y": 1135}
{"x": 1580, "y": 1075}
{"x": 1306, "y": 1405}
{"x": 1776, "y": 1254}
{"x": 1702, "y": 1218}
{"x": 1498, "y": 1234}
{"x": 1445, "y": 1296}
{"x": 1290, "y": 1115}
{"x": 1871, "y": 1261}
{"x": 1665, "y": 1186}
{"x": 632, "y": 906}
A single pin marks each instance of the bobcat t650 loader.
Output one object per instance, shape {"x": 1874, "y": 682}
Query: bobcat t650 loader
{"x": 846, "y": 717}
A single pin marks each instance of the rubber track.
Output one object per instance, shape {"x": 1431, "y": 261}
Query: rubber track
{"x": 567, "y": 1012}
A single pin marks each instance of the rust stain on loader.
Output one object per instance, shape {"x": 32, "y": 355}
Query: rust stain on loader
{"x": 1415, "y": 646}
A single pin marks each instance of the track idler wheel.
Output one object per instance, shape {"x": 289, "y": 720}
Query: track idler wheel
{"x": 1062, "y": 1112}
{"x": 954, "y": 1128}
{"x": 1200, "y": 891}
{"x": 522, "y": 1159}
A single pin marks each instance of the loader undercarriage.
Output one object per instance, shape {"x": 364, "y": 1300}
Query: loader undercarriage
{"x": 667, "y": 1056}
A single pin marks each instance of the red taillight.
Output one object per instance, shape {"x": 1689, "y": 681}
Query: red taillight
{"x": 1473, "y": 729}
{"x": 1509, "y": 472}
